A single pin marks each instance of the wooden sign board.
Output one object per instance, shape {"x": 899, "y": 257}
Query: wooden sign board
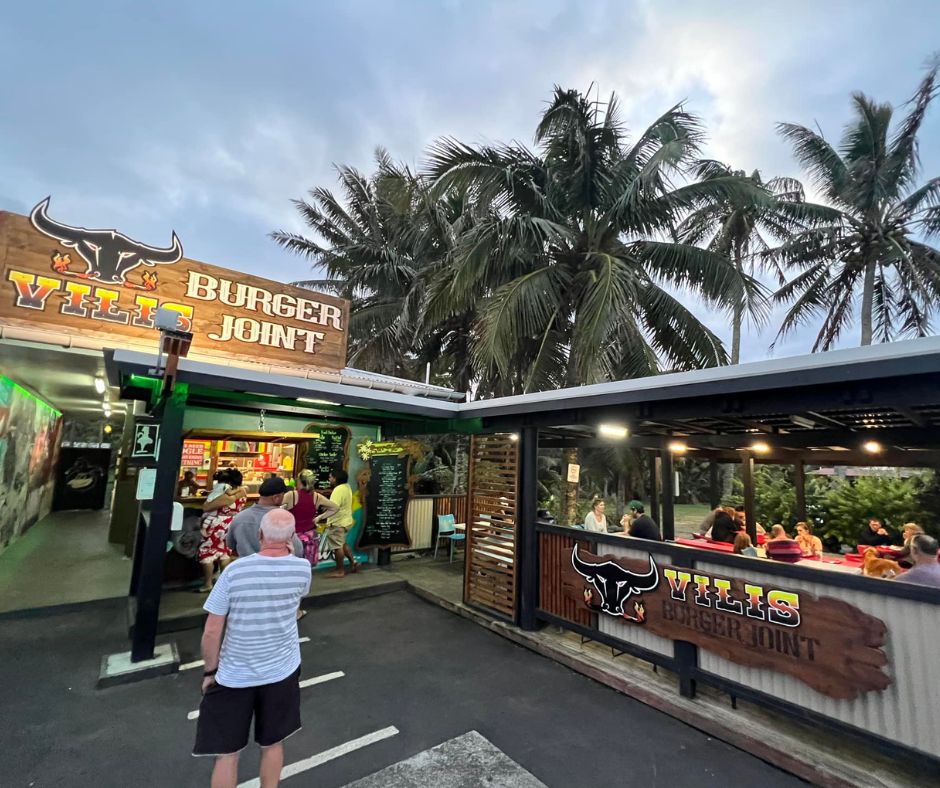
{"x": 106, "y": 287}
{"x": 386, "y": 498}
{"x": 826, "y": 643}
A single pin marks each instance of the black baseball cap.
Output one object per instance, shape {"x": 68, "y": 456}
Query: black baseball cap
{"x": 270, "y": 487}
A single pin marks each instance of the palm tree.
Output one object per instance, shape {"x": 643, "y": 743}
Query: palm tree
{"x": 874, "y": 238}
{"x": 574, "y": 259}
{"x": 367, "y": 256}
{"x": 376, "y": 246}
{"x": 742, "y": 229}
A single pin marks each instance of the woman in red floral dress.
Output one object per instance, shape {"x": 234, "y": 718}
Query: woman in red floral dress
{"x": 225, "y": 501}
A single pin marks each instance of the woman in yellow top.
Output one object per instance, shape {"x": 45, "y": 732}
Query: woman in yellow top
{"x": 338, "y": 524}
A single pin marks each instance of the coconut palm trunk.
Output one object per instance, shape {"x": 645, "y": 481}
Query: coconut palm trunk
{"x": 868, "y": 300}
{"x": 738, "y": 315}
{"x": 571, "y": 489}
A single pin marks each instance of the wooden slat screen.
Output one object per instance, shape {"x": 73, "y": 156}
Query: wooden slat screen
{"x": 490, "y": 575}
{"x": 555, "y": 553}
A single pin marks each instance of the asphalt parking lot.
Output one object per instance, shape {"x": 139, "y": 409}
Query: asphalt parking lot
{"x": 388, "y": 678}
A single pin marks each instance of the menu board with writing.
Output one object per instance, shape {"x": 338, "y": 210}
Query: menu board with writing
{"x": 326, "y": 452}
{"x": 386, "y": 500}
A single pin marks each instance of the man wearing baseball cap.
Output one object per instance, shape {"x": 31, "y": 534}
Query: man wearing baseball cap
{"x": 638, "y": 524}
{"x": 244, "y": 531}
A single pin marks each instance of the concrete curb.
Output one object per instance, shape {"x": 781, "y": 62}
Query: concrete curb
{"x": 679, "y": 708}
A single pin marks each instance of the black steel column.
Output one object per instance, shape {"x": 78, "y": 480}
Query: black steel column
{"x": 654, "y": 487}
{"x": 799, "y": 478}
{"x": 150, "y": 585}
{"x": 669, "y": 495}
{"x": 714, "y": 488}
{"x": 527, "y": 549}
{"x": 747, "y": 476}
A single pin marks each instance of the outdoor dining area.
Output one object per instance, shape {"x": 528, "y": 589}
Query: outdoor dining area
{"x": 802, "y": 617}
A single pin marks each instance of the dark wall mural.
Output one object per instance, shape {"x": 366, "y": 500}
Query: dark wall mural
{"x": 29, "y": 448}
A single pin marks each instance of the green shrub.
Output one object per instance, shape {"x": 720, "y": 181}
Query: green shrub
{"x": 850, "y": 503}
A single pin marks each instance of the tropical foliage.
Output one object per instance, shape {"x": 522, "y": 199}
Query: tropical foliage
{"x": 872, "y": 240}
{"x": 744, "y": 230}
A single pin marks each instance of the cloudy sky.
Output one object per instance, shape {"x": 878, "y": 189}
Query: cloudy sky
{"x": 208, "y": 117}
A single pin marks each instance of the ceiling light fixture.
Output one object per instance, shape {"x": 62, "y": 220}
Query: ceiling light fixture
{"x": 678, "y": 447}
{"x": 760, "y": 447}
{"x": 872, "y": 447}
{"x": 616, "y": 431}
{"x": 514, "y": 437}
{"x": 99, "y": 385}
{"x": 317, "y": 401}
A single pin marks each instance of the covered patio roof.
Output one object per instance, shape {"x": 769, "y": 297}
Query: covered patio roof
{"x": 820, "y": 408}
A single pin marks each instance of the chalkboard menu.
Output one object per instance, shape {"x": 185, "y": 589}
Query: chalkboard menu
{"x": 386, "y": 500}
{"x": 326, "y": 452}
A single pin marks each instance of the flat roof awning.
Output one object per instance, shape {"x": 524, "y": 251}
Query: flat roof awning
{"x": 364, "y": 392}
{"x": 827, "y": 403}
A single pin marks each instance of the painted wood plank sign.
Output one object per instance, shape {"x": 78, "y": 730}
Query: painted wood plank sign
{"x": 107, "y": 287}
{"x": 386, "y": 498}
{"x": 328, "y": 451}
{"x": 834, "y": 647}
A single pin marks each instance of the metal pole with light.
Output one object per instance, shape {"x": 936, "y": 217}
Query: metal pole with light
{"x": 169, "y": 408}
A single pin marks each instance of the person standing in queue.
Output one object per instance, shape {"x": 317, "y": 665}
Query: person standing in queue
{"x": 338, "y": 524}
{"x": 243, "y": 538}
{"x": 640, "y": 525}
{"x": 222, "y": 505}
{"x": 254, "y": 670}
{"x": 305, "y": 503}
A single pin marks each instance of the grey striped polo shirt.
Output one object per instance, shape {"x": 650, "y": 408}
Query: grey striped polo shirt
{"x": 259, "y": 595}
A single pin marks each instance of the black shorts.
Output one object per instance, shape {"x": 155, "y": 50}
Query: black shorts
{"x": 225, "y": 716}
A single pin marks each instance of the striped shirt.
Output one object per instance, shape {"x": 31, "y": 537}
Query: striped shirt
{"x": 259, "y": 594}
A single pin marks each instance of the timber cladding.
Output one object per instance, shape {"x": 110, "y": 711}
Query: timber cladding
{"x": 830, "y": 645}
{"x": 106, "y": 287}
{"x": 490, "y": 576}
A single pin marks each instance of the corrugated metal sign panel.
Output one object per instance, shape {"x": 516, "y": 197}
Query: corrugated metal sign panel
{"x": 627, "y": 632}
{"x": 908, "y": 712}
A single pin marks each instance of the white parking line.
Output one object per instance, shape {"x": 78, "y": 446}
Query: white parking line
{"x": 199, "y": 663}
{"x": 194, "y": 715}
{"x": 321, "y": 679}
{"x": 329, "y": 755}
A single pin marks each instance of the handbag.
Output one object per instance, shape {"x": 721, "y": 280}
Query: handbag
{"x": 311, "y": 542}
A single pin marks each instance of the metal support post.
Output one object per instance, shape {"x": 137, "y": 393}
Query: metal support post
{"x": 799, "y": 479}
{"x": 714, "y": 486}
{"x": 669, "y": 497}
{"x": 747, "y": 476}
{"x": 150, "y": 585}
{"x": 528, "y": 547}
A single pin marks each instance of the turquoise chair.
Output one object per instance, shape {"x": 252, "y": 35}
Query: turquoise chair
{"x": 447, "y": 529}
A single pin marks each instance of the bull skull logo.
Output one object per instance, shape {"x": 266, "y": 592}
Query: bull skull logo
{"x": 109, "y": 256}
{"x": 615, "y": 585}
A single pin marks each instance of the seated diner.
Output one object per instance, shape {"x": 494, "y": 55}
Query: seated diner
{"x": 638, "y": 524}
{"x": 874, "y": 534}
{"x": 811, "y": 546}
{"x": 743, "y": 546}
{"x": 926, "y": 570}
{"x": 780, "y": 547}
{"x": 595, "y": 520}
